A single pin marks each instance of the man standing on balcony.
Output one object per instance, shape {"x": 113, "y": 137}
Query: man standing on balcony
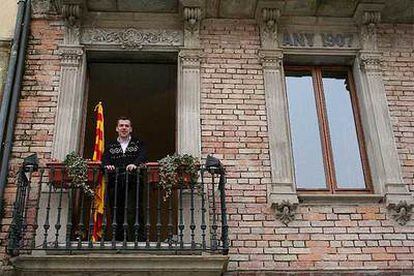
{"x": 121, "y": 159}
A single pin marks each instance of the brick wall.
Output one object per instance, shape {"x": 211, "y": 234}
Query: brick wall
{"x": 350, "y": 236}
{"x": 37, "y": 107}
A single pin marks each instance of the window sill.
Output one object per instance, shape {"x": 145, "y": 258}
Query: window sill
{"x": 340, "y": 198}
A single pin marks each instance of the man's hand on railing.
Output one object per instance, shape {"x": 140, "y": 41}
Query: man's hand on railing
{"x": 110, "y": 168}
{"x": 131, "y": 167}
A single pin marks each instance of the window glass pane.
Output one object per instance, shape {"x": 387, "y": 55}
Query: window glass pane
{"x": 344, "y": 139}
{"x": 306, "y": 142}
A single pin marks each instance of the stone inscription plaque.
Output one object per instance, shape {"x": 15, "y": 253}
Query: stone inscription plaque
{"x": 317, "y": 40}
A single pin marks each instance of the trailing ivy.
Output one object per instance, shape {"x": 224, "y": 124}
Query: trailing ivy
{"x": 77, "y": 168}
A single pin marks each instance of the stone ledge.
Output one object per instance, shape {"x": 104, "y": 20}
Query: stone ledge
{"x": 340, "y": 198}
{"x": 121, "y": 264}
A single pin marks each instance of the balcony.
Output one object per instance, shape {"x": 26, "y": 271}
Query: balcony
{"x": 145, "y": 230}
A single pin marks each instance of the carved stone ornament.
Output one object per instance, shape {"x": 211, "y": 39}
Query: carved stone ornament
{"x": 56, "y": 5}
{"x": 271, "y": 59}
{"x": 190, "y": 58}
{"x": 269, "y": 28}
{"x": 71, "y": 13}
{"x": 370, "y": 62}
{"x": 70, "y": 55}
{"x": 192, "y": 17}
{"x": 131, "y": 38}
{"x": 285, "y": 211}
{"x": 401, "y": 212}
{"x": 368, "y": 30}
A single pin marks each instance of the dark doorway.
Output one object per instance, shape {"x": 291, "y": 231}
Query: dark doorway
{"x": 145, "y": 92}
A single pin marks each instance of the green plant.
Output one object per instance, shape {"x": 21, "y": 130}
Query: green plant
{"x": 176, "y": 169}
{"x": 77, "y": 168}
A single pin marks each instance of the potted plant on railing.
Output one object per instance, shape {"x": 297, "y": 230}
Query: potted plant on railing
{"x": 75, "y": 171}
{"x": 175, "y": 170}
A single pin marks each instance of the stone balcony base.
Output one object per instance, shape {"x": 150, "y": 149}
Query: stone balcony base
{"x": 121, "y": 264}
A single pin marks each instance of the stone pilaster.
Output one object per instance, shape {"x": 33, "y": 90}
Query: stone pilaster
{"x": 188, "y": 100}
{"x": 71, "y": 87}
{"x": 282, "y": 193}
{"x": 283, "y": 186}
{"x": 70, "y": 101}
{"x": 188, "y": 103}
{"x": 387, "y": 165}
{"x": 384, "y": 161}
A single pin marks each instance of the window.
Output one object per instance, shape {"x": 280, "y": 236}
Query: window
{"x": 327, "y": 138}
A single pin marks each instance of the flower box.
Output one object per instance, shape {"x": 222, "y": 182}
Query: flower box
{"x": 58, "y": 173}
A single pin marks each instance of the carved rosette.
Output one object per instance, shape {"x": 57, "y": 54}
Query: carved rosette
{"x": 401, "y": 212}
{"x": 285, "y": 211}
{"x": 131, "y": 38}
{"x": 268, "y": 28}
{"x": 70, "y": 56}
{"x": 368, "y": 30}
{"x": 370, "y": 62}
{"x": 190, "y": 58}
{"x": 271, "y": 59}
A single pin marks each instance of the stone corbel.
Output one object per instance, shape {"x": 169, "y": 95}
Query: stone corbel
{"x": 192, "y": 21}
{"x": 268, "y": 28}
{"x": 285, "y": 211}
{"x": 71, "y": 12}
{"x": 401, "y": 212}
{"x": 367, "y": 16}
{"x": 56, "y": 5}
{"x": 368, "y": 30}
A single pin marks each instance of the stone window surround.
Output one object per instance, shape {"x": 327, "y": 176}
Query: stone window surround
{"x": 365, "y": 62}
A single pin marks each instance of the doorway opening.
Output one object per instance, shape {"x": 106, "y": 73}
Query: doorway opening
{"x": 142, "y": 87}
{"x": 143, "y": 91}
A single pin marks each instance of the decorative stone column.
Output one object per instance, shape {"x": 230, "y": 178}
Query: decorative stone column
{"x": 282, "y": 194}
{"x": 188, "y": 105}
{"x": 70, "y": 101}
{"x": 384, "y": 161}
{"x": 72, "y": 80}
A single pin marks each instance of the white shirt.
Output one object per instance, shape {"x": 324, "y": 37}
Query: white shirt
{"x": 124, "y": 143}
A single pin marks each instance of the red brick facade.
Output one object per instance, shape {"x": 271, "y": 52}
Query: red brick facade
{"x": 360, "y": 236}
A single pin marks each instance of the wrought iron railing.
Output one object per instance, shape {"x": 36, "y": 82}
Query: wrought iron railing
{"x": 51, "y": 214}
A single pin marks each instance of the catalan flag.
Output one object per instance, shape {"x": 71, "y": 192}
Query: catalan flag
{"x": 100, "y": 189}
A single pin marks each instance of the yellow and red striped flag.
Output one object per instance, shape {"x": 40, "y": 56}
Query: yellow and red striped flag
{"x": 100, "y": 189}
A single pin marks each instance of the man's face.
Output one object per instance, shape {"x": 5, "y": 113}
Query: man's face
{"x": 124, "y": 128}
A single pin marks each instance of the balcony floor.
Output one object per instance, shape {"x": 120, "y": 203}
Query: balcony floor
{"x": 120, "y": 264}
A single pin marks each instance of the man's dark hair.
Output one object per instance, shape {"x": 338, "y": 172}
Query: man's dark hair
{"x": 123, "y": 118}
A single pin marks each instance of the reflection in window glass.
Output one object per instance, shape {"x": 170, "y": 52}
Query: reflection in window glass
{"x": 343, "y": 134}
{"x": 306, "y": 142}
